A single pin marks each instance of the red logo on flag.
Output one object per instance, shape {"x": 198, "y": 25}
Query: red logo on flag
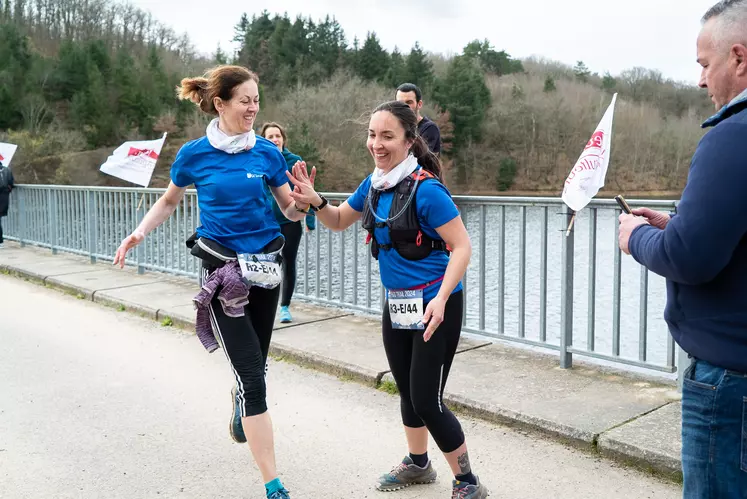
{"x": 597, "y": 140}
{"x": 1, "y": 158}
{"x": 143, "y": 152}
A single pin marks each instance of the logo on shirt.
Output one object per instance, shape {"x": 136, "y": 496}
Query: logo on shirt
{"x": 253, "y": 175}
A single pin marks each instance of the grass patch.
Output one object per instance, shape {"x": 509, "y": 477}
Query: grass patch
{"x": 167, "y": 322}
{"x": 121, "y": 308}
{"x": 389, "y": 387}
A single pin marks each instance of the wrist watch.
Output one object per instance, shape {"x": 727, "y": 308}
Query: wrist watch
{"x": 324, "y": 203}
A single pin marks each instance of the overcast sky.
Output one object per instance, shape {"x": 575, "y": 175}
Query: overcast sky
{"x": 606, "y": 35}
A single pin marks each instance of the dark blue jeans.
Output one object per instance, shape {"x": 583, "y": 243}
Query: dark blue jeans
{"x": 714, "y": 433}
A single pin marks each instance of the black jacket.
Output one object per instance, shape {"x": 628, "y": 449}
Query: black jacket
{"x": 6, "y": 185}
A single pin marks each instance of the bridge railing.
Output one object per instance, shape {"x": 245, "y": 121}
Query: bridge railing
{"x": 527, "y": 282}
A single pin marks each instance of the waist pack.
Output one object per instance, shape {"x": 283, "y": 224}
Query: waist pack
{"x": 263, "y": 269}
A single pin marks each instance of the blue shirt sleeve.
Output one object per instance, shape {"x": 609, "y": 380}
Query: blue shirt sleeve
{"x": 711, "y": 218}
{"x": 180, "y": 175}
{"x": 276, "y": 168}
{"x": 434, "y": 203}
{"x": 356, "y": 200}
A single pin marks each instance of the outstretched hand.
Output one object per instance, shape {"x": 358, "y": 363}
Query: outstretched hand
{"x": 128, "y": 243}
{"x": 303, "y": 190}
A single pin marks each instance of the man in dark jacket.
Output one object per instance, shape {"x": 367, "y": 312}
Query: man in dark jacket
{"x": 6, "y": 185}
{"x": 702, "y": 252}
{"x": 412, "y": 96}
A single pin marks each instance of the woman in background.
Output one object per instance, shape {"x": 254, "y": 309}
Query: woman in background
{"x": 292, "y": 230}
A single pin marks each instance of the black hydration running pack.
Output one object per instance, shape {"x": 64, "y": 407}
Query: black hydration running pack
{"x": 407, "y": 237}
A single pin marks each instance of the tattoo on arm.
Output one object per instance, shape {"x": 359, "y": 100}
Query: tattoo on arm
{"x": 463, "y": 462}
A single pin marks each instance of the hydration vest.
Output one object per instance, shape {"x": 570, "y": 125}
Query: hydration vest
{"x": 407, "y": 237}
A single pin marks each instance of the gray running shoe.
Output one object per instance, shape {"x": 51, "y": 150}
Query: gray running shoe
{"x": 405, "y": 474}
{"x": 464, "y": 490}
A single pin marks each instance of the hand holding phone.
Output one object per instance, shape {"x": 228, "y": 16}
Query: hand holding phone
{"x": 623, "y": 204}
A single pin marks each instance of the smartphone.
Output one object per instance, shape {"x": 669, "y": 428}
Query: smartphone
{"x": 623, "y": 204}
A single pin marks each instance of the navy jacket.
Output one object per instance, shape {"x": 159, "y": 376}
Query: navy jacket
{"x": 702, "y": 253}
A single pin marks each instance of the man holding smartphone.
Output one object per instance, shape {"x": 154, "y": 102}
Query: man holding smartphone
{"x": 702, "y": 252}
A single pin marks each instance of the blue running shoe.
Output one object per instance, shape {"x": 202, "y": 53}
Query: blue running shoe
{"x": 280, "y": 494}
{"x": 285, "y": 315}
{"x": 234, "y": 427}
{"x": 463, "y": 490}
{"x": 405, "y": 474}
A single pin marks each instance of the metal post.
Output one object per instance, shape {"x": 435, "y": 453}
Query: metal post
{"x": 51, "y": 214}
{"x": 566, "y": 294}
{"x": 140, "y": 211}
{"x": 22, "y": 234}
{"x": 683, "y": 362}
{"x": 91, "y": 225}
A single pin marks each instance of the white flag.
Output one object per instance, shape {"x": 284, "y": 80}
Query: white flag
{"x": 134, "y": 161}
{"x": 6, "y": 153}
{"x": 587, "y": 175}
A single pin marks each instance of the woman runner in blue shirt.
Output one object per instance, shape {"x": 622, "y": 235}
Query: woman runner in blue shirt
{"x": 229, "y": 167}
{"x": 413, "y": 224}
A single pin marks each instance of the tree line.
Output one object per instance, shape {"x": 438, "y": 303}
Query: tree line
{"x": 87, "y": 74}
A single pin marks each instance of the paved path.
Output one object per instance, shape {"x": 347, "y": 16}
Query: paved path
{"x": 102, "y": 404}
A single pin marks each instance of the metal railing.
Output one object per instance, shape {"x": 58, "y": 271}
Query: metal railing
{"x": 527, "y": 282}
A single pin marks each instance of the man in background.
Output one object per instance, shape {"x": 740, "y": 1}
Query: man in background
{"x": 411, "y": 95}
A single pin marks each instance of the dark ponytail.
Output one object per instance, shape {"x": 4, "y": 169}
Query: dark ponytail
{"x": 409, "y": 122}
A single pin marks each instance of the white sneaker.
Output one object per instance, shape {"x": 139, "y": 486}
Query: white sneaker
{"x": 1, "y": 246}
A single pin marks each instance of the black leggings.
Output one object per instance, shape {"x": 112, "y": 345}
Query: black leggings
{"x": 246, "y": 342}
{"x": 1, "y": 230}
{"x": 292, "y": 233}
{"x": 420, "y": 370}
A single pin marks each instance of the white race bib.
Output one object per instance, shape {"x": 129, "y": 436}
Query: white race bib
{"x": 261, "y": 269}
{"x": 406, "y": 309}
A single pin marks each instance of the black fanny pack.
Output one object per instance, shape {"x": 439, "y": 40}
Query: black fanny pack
{"x": 215, "y": 255}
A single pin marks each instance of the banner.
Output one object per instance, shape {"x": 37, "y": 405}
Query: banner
{"x": 588, "y": 174}
{"x": 134, "y": 161}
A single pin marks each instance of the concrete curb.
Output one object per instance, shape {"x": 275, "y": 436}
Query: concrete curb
{"x": 645, "y": 460}
{"x": 633, "y": 456}
{"x": 365, "y": 376}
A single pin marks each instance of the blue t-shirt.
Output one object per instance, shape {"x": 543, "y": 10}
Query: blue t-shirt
{"x": 234, "y": 209}
{"x": 434, "y": 208}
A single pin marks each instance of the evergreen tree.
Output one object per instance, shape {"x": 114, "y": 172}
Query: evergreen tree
{"x": 464, "y": 94}
{"x": 397, "y": 70}
{"x": 550, "y": 84}
{"x": 581, "y": 71}
{"x": 419, "y": 69}
{"x": 373, "y": 60}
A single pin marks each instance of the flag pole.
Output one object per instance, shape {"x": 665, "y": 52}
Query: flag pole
{"x": 570, "y": 224}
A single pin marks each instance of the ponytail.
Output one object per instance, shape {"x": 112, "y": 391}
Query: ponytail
{"x": 426, "y": 158}
{"x": 217, "y": 82}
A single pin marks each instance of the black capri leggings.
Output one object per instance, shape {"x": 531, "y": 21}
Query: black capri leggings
{"x": 292, "y": 233}
{"x": 246, "y": 342}
{"x": 420, "y": 370}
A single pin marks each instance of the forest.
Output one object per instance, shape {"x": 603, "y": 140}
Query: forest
{"x": 78, "y": 77}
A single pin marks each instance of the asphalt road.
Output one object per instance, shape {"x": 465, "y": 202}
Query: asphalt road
{"x": 96, "y": 403}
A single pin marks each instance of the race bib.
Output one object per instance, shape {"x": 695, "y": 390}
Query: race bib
{"x": 406, "y": 309}
{"x": 262, "y": 269}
